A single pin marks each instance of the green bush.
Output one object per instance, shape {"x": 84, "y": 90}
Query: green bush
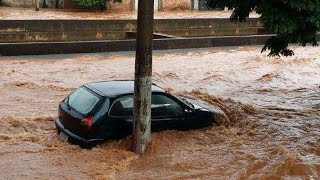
{"x": 90, "y": 2}
{"x": 93, "y": 2}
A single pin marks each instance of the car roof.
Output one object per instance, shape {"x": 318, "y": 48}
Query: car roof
{"x": 116, "y": 88}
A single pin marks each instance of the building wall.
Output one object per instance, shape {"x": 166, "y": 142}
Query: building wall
{"x": 166, "y": 5}
{"x": 30, "y": 3}
{"x": 18, "y": 3}
{"x": 176, "y": 4}
{"x": 125, "y": 5}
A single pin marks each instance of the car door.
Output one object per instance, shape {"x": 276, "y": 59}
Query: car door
{"x": 166, "y": 112}
{"x": 121, "y": 115}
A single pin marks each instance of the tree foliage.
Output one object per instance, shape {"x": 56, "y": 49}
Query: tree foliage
{"x": 93, "y": 2}
{"x": 292, "y": 21}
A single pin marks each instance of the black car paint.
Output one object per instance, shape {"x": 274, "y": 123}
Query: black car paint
{"x": 105, "y": 126}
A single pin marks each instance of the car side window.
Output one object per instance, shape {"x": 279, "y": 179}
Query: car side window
{"x": 122, "y": 107}
{"x": 163, "y": 106}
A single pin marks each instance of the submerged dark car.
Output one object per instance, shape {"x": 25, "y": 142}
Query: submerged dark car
{"x": 102, "y": 110}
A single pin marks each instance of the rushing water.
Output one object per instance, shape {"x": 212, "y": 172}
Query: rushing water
{"x": 272, "y": 106}
{"x": 11, "y": 13}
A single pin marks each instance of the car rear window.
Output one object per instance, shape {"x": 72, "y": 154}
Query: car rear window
{"x": 83, "y": 100}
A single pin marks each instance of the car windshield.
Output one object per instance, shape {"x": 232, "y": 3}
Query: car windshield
{"x": 82, "y": 100}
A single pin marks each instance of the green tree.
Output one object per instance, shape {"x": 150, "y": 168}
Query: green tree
{"x": 292, "y": 21}
{"x": 99, "y": 3}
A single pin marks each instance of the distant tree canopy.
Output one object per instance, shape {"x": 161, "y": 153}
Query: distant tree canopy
{"x": 293, "y": 21}
{"x": 100, "y": 3}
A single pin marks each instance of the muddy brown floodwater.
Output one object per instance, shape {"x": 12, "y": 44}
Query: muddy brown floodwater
{"x": 13, "y": 13}
{"x": 272, "y": 106}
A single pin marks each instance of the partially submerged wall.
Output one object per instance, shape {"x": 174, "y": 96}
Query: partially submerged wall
{"x": 90, "y": 30}
{"x": 14, "y": 49}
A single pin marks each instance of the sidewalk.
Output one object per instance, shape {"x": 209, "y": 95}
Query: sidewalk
{"x": 13, "y": 13}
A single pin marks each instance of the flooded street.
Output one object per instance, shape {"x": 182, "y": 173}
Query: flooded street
{"x": 10, "y": 13}
{"x": 272, "y": 107}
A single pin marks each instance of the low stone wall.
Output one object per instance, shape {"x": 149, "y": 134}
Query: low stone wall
{"x": 16, "y": 49}
{"x": 91, "y": 30}
{"x": 38, "y": 48}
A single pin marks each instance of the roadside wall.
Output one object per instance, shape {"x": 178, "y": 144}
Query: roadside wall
{"x": 91, "y": 30}
{"x": 15, "y": 49}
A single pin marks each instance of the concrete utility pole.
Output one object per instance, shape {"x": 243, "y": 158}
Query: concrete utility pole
{"x": 143, "y": 73}
{"x": 37, "y": 4}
